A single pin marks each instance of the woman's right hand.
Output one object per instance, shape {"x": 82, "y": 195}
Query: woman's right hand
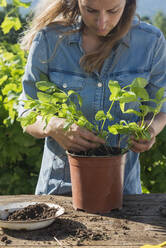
{"x": 75, "y": 138}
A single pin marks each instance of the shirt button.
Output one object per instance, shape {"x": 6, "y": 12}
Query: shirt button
{"x": 64, "y": 85}
{"x": 99, "y": 84}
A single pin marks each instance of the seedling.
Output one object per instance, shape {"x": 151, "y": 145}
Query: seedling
{"x": 52, "y": 101}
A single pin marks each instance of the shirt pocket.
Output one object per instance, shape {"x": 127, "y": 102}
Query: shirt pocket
{"x": 67, "y": 81}
{"x": 126, "y": 77}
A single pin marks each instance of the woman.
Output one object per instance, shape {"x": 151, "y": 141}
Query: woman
{"x": 81, "y": 45}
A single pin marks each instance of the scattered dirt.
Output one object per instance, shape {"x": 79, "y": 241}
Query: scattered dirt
{"x": 5, "y": 240}
{"x": 32, "y": 212}
{"x": 76, "y": 231}
{"x": 163, "y": 211}
{"x": 62, "y": 227}
{"x": 77, "y": 228}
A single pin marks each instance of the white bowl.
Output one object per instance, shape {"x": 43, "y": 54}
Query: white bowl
{"x": 5, "y": 210}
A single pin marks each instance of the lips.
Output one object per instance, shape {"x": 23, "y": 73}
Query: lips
{"x": 102, "y": 31}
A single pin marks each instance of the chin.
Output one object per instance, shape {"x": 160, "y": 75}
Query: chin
{"x": 102, "y": 34}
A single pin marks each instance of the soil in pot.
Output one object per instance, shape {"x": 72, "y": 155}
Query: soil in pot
{"x": 100, "y": 151}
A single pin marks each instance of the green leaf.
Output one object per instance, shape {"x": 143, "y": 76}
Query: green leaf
{"x": 100, "y": 116}
{"x": 145, "y": 109}
{"x": 3, "y": 3}
{"x": 8, "y": 56}
{"x": 139, "y": 83}
{"x": 158, "y": 108}
{"x": 43, "y": 97}
{"x": 30, "y": 104}
{"x": 46, "y": 86}
{"x": 109, "y": 116}
{"x": 128, "y": 97}
{"x": 112, "y": 129}
{"x": 160, "y": 93}
{"x": 17, "y": 24}
{"x": 9, "y": 23}
{"x": 3, "y": 79}
{"x": 120, "y": 129}
{"x": 72, "y": 92}
{"x": 29, "y": 119}
{"x": 61, "y": 95}
{"x": 132, "y": 111}
{"x": 8, "y": 87}
{"x": 163, "y": 100}
{"x": 44, "y": 77}
{"x": 140, "y": 93}
{"x": 115, "y": 89}
{"x": 19, "y": 3}
{"x": 83, "y": 122}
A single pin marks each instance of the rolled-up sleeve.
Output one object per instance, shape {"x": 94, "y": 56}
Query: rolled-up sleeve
{"x": 158, "y": 69}
{"x": 37, "y": 63}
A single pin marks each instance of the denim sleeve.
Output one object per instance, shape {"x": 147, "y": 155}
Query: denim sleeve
{"x": 37, "y": 63}
{"x": 158, "y": 69}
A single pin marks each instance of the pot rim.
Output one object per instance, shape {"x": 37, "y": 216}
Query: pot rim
{"x": 124, "y": 151}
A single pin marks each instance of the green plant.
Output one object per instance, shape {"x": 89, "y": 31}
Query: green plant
{"x": 20, "y": 154}
{"x": 54, "y": 102}
{"x": 153, "y": 166}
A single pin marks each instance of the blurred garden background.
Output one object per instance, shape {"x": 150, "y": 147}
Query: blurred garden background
{"x": 20, "y": 154}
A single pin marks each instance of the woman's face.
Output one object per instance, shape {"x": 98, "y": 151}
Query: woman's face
{"x": 101, "y": 16}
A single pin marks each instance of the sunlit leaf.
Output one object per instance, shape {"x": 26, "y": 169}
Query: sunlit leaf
{"x": 139, "y": 83}
{"x": 141, "y": 93}
{"x": 160, "y": 93}
{"x": 19, "y": 3}
{"x": 115, "y": 89}
{"x": 3, "y": 3}
{"x": 7, "y": 24}
{"x": 3, "y": 79}
{"x": 100, "y": 115}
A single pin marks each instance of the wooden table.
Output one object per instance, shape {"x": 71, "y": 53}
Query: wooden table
{"x": 142, "y": 220}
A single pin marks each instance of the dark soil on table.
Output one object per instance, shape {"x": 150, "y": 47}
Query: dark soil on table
{"x": 76, "y": 228}
{"x": 62, "y": 228}
{"x": 32, "y": 212}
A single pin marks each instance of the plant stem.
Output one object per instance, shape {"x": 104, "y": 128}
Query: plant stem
{"x": 150, "y": 123}
{"x": 107, "y": 112}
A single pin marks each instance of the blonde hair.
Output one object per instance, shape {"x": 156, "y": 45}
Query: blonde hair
{"x": 67, "y": 12}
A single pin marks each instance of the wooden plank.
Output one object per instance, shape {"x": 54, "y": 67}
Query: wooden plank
{"x": 139, "y": 222}
{"x": 54, "y": 246}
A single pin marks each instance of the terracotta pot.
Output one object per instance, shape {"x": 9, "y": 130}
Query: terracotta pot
{"x": 97, "y": 182}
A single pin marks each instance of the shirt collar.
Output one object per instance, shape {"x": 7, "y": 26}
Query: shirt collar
{"x": 75, "y": 37}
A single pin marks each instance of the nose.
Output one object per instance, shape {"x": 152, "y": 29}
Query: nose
{"x": 102, "y": 20}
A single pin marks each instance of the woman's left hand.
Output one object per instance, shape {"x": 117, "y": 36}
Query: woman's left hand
{"x": 143, "y": 145}
{"x": 155, "y": 128}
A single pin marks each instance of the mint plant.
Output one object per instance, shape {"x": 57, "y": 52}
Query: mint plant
{"x": 52, "y": 101}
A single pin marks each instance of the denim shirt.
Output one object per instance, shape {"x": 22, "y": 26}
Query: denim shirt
{"x": 141, "y": 53}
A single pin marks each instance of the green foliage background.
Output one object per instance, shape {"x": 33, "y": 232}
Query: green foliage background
{"x": 20, "y": 154}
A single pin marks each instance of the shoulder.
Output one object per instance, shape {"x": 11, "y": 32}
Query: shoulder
{"x": 52, "y": 32}
{"x": 146, "y": 29}
{"x": 58, "y": 27}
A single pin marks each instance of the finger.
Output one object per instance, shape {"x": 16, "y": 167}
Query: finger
{"x": 90, "y": 136}
{"x": 76, "y": 148}
{"x": 141, "y": 147}
{"x": 79, "y": 143}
